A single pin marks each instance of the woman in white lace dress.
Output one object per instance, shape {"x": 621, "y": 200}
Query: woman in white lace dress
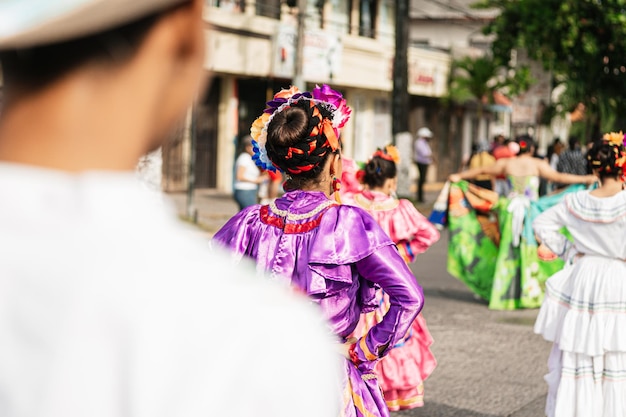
{"x": 584, "y": 311}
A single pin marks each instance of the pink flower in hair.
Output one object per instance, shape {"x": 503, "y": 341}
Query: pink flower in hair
{"x": 326, "y": 94}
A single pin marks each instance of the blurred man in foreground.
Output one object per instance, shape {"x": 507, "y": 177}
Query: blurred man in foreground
{"x": 108, "y": 307}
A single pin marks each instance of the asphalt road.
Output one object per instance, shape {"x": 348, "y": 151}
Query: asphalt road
{"x": 490, "y": 363}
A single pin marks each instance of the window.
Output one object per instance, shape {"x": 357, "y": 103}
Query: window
{"x": 363, "y": 17}
{"x": 338, "y": 20}
{"x": 268, "y": 8}
{"x": 231, "y": 5}
{"x": 367, "y": 18}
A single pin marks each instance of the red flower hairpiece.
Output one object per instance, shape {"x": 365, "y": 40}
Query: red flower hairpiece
{"x": 390, "y": 153}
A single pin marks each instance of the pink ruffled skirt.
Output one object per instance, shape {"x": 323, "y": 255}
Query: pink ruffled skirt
{"x": 402, "y": 372}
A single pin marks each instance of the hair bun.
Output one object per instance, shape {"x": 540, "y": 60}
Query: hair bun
{"x": 608, "y": 155}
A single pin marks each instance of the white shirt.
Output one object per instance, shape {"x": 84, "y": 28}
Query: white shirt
{"x": 109, "y": 308}
{"x": 251, "y": 172}
{"x": 422, "y": 153}
{"x": 149, "y": 170}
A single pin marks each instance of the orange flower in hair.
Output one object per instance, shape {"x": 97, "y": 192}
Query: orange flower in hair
{"x": 389, "y": 153}
{"x": 258, "y": 125}
{"x": 614, "y": 138}
{"x": 287, "y": 93}
{"x": 393, "y": 152}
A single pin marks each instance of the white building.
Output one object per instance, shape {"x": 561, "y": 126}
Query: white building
{"x": 455, "y": 26}
{"x": 348, "y": 44}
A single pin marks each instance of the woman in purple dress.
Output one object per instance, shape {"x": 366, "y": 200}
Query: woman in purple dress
{"x": 335, "y": 254}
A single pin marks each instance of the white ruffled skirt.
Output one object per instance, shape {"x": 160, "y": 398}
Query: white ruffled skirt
{"x": 584, "y": 314}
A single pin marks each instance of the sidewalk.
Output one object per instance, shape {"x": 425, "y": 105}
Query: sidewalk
{"x": 214, "y": 208}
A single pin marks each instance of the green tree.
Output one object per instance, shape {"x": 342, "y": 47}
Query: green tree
{"x": 478, "y": 78}
{"x": 583, "y": 42}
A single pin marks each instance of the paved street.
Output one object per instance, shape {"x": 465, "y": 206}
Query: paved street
{"x": 490, "y": 362}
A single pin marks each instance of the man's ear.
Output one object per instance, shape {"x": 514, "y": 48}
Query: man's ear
{"x": 173, "y": 51}
{"x": 180, "y": 32}
{"x": 188, "y": 24}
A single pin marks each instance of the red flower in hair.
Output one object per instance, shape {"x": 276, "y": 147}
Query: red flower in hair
{"x": 523, "y": 144}
{"x": 360, "y": 175}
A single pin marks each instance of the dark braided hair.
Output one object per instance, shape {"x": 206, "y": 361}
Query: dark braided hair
{"x": 296, "y": 145}
{"x": 377, "y": 170}
{"x": 603, "y": 157}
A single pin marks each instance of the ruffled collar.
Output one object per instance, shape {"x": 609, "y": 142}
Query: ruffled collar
{"x": 375, "y": 201}
{"x": 298, "y": 201}
{"x": 596, "y": 209}
{"x": 297, "y": 211}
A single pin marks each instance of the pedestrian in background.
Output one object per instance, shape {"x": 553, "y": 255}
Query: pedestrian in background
{"x": 572, "y": 160}
{"x": 554, "y": 150}
{"x": 423, "y": 157}
{"x": 247, "y": 176}
{"x": 482, "y": 158}
{"x": 108, "y": 306}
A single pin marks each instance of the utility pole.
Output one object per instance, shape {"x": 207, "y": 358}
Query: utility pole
{"x": 400, "y": 95}
{"x": 298, "y": 78}
{"x": 192, "y": 212}
{"x": 400, "y": 98}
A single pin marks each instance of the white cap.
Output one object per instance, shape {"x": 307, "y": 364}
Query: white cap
{"x": 424, "y": 132}
{"x": 26, "y": 23}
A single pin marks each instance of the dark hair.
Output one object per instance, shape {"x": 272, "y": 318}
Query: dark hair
{"x": 526, "y": 143}
{"x": 552, "y": 147}
{"x": 603, "y": 156}
{"x": 292, "y": 144}
{"x": 572, "y": 142}
{"x": 31, "y": 69}
{"x": 244, "y": 142}
{"x": 377, "y": 170}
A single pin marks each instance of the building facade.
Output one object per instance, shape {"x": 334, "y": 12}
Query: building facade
{"x": 348, "y": 44}
{"x": 456, "y": 29}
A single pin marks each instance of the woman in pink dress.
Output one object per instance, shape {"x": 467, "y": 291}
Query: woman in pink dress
{"x": 402, "y": 373}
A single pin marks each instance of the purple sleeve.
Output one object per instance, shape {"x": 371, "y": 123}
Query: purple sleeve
{"x": 386, "y": 268}
{"x": 235, "y": 235}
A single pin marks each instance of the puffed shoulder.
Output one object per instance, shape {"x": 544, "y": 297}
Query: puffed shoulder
{"x": 236, "y": 234}
{"x": 349, "y": 234}
{"x": 406, "y": 221}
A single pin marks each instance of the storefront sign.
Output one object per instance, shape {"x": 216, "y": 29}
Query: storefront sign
{"x": 321, "y": 54}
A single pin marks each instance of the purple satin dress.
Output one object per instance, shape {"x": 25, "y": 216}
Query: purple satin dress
{"x": 338, "y": 255}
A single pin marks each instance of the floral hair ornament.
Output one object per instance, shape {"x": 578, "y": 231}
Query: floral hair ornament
{"x": 618, "y": 141}
{"x": 615, "y": 138}
{"x": 389, "y": 153}
{"x": 323, "y": 96}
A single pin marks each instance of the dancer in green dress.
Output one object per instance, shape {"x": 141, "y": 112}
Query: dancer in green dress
{"x": 492, "y": 246}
